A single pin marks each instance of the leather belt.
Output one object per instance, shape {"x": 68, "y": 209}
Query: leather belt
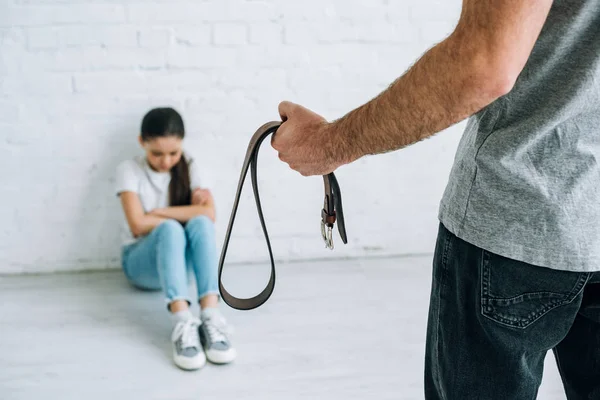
{"x": 331, "y": 213}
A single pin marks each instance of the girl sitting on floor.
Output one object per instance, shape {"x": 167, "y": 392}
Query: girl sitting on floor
{"x": 169, "y": 233}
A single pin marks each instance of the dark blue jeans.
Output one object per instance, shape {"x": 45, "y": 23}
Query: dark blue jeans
{"x": 492, "y": 320}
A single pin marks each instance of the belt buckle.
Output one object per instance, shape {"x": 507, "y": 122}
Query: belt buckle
{"x": 328, "y": 218}
{"x": 327, "y": 233}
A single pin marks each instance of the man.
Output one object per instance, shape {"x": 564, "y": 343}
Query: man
{"x": 518, "y": 252}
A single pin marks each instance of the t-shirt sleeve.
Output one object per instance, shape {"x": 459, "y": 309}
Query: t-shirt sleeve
{"x": 127, "y": 179}
{"x": 198, "y": 177}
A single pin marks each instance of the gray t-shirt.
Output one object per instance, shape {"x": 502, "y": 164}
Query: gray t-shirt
{"x": 526, "y": 178}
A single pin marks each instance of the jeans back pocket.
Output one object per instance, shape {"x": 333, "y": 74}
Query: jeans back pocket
{"x": 517, "y": 294}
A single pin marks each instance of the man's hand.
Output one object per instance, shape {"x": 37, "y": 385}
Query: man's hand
{"x": 201, "y": 197}
{"x": 305, "y": 141}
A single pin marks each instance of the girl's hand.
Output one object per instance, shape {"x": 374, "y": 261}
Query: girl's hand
{"x": 201, "y": 197}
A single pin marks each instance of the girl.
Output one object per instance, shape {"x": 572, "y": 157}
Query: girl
{"x": 169, "y": 231}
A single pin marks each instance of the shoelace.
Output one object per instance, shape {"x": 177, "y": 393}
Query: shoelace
{"x": 187, "y": 332}
{"x": 215, "y": 330}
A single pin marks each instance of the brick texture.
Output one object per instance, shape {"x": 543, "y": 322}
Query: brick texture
{"x": 76, "y": 77}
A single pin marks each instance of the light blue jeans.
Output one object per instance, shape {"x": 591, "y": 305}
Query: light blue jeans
{"x": 167, "y": 256}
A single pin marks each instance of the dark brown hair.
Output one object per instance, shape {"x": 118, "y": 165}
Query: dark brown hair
{"x": 165, "y": 122}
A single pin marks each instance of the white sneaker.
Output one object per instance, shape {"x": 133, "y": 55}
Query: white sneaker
{"x": 187, "y": 350}
{"x": 214, "y": 339}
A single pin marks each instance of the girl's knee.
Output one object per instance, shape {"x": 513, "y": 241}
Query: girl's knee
{"x": 200, "y": 223}
{"x": 170, "y": 229}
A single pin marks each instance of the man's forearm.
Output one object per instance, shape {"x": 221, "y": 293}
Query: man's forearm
{"x": 448, "y": 84}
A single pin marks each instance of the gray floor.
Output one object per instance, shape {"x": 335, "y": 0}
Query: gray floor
{"x": 333, "y": 330}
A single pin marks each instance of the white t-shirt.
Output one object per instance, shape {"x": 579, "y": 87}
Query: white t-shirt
{"x": 151, "y": 187}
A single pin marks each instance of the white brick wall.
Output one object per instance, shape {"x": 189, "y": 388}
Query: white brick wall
{"x": 76, "y": 77}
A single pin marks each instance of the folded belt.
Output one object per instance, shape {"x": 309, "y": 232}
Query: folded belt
{"x": 331, "y": 213}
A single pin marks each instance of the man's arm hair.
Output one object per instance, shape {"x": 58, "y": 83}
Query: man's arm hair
{"x": 478, "y": 63}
